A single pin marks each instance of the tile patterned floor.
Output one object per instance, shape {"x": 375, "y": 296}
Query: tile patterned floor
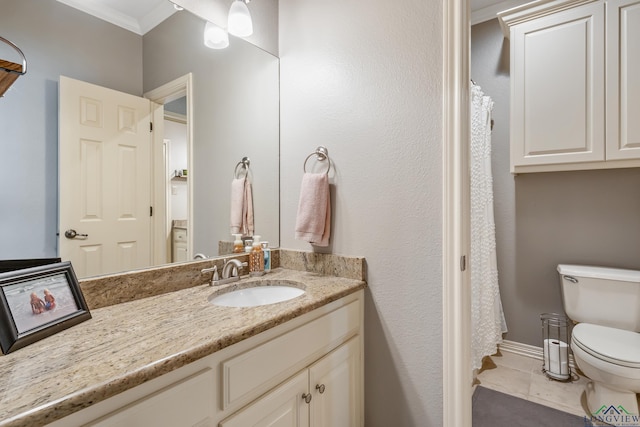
{"x": 522, "y": 377}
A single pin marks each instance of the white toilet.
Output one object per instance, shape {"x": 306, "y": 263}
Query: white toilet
{"x": 606, "y": 341}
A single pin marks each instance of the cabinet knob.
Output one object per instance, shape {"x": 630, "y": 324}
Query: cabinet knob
{"x": 306, "y": 397}
{"x": 320, "y": 388}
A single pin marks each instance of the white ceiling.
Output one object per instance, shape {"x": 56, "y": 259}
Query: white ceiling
{"x": 484, "y": 10}
{"x": 138, "y": 16}
{"x": 141, "y": 16}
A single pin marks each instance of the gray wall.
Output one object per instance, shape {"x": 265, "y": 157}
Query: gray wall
{"x": 57, "y": 40}
{"x": 365, "y": 80}
{"x": 543, "y": 219}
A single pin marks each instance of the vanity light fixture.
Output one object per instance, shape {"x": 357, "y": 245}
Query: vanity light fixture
{"x": 215, "y": 37}
{"x": 240, "y": 23}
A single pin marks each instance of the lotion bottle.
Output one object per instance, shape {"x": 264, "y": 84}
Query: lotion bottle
{"x": 238, "y": 246}
{"x": 267, "y": 256}
{"x": 256, "y": 258}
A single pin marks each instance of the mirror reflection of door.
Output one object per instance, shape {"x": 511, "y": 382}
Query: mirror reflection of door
{"x": 175, "y": 134}
{"x": 105, "y": 152}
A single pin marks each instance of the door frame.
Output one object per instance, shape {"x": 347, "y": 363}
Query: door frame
{"x": 182, "y": 86}
{"x": 456, "y": 292}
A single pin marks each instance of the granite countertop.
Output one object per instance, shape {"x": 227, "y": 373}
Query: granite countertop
{"x": 139, "y": 340}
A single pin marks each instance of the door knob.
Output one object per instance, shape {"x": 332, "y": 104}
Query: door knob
{"x": 72, "y": 234}
{"x": 306, "y": 397}
{"x": 320, "y": 388}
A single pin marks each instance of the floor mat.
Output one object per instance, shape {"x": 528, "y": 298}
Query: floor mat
{"x": 495, "y": 409}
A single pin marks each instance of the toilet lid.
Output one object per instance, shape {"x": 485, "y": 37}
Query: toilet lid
{"x": 613, "y": 345}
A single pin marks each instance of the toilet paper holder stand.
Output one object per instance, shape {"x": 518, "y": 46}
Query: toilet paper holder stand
{"x": 556, "y": 330}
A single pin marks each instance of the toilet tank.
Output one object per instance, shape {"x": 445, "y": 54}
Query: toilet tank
{"x": 602, "y": 296}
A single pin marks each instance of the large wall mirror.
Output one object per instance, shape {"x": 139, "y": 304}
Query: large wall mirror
{"x": 234, "y": 110}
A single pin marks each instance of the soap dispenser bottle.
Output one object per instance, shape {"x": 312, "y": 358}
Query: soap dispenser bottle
{"x": 238, "y": 246}
{"x": 256, "y": 258}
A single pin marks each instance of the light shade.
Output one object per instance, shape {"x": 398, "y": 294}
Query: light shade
{"x": 240, "y": 19}
{"x": 215, "y": 37}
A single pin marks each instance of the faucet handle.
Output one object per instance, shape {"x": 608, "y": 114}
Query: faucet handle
{"x": 215, "y": 272}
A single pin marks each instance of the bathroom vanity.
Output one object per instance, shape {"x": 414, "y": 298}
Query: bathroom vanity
{"x": 176, "y": 359}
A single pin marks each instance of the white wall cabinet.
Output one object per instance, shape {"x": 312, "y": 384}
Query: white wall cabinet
{"x": 623, "y": 79}
{"x": 305, "y": 372}
{"x": 574, "y": 85}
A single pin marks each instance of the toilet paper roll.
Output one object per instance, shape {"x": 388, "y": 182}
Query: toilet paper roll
{"x": 556, "y": 357}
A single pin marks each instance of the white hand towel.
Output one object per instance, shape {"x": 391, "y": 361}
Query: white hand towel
{"x": 313, "y": 223}
{"x": 237, "y": 204}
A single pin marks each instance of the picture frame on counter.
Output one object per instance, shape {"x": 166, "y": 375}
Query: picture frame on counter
{"x": 38, "y": 302}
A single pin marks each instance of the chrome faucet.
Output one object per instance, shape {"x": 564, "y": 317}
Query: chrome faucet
{"x": 231, "y": 268}
{"x": 229, "y": 272}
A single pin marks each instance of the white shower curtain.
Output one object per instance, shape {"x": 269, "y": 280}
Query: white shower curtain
{"x": 487, "y": 317}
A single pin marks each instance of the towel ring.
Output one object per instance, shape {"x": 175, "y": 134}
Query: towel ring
{"x": 243, "y": 164}
{"x": 321, "y": 154}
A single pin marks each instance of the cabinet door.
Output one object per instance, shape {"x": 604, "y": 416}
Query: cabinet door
{"x": 623, "y": 79}
{"x": 282, "y": 407}
{"x": 179, "y": 253}
{"x": 335, "y": 383}
{"x": 557, "y": 88}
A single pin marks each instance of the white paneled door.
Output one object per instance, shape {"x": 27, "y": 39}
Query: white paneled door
{"x": 105, "y": 178}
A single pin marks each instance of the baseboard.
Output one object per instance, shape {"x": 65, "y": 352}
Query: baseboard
{"x": 527, "y": 350}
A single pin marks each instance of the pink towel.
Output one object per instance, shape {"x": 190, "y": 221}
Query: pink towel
{"x": 313, "y": 223}
{"x": 241, "y": 217}
{"x": 247, "y": 209}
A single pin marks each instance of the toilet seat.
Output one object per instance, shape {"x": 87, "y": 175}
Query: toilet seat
{"x": 612, "y": 345}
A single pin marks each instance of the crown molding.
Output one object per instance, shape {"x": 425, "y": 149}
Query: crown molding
{"x": 534, "y": 10}
{"x": 101, "y": 10}
{"x": 491, "y": 12}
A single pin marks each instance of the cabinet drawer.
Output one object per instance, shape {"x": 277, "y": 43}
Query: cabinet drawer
{"x": 186, "y": 403}
{"x": 179, "y": 235}
{"x": 252, "y": 373}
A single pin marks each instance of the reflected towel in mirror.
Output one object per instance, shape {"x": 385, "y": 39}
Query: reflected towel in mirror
{"x": 241, "y": 207}
{"x": 313, "y": 222}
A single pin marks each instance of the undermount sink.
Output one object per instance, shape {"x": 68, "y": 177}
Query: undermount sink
{"x": 256, "y": 294}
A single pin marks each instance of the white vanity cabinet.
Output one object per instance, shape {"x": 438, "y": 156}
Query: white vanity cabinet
{"x": 307, "y": 371}
{"x": 575, "y": 87}
{"x": 325, "y": 394}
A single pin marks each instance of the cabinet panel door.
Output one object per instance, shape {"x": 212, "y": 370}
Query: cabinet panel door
{"x": 557, "y": 88}
{"x": 282, "y": 407}
{"x": 623, "y": 79}
{"x": 334, "y": 382}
